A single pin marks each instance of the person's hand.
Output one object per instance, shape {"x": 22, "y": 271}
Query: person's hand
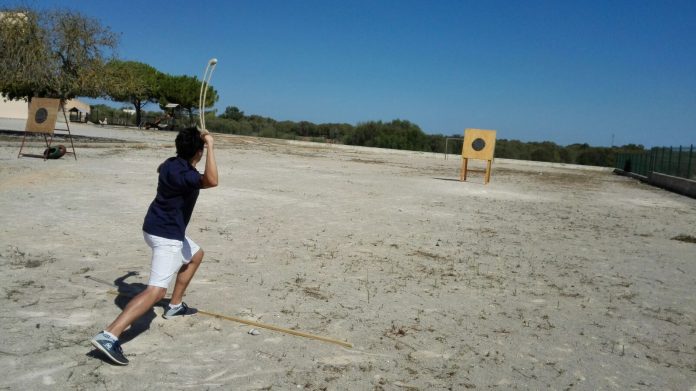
{"x": 207, "y": 138}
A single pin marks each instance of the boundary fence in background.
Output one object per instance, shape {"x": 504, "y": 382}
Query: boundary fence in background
{"x": 675, "y": 161}
{"x": 161, "y": 121}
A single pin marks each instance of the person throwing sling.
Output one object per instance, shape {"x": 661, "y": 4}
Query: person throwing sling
{"x": 174, "y": 255}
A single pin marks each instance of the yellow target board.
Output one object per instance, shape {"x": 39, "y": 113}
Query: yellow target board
{"x": 42, "y": 115}
{"x": 478, "y": 144}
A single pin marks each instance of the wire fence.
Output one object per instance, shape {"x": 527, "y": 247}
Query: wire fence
{"x": 148, "y": 120}
{"x": 453, "y": 145}
{"x": 676, "y": 161}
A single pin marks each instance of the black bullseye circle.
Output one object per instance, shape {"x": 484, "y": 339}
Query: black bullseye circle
{"x": 41, "y": 115}
{"x": 478, "y": 144}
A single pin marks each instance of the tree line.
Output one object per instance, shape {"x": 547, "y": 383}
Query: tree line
{"x": 402, "y": 134}
{"x": 64, "y": 54}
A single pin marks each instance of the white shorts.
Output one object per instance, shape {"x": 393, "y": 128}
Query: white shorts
{"x": 168, "y": 255}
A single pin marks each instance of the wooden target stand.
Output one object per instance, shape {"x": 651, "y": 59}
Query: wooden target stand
{"x": 43, "y": 113}
{"x": 478, "y": 144}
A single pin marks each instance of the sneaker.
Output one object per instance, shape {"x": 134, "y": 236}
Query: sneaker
{"x": 184, "y": 310}
{"x": 110, "y": 347}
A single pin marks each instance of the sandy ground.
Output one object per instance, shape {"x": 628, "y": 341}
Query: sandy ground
{"x": 549, "y": 277}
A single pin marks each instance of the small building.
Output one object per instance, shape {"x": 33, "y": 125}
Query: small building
{"x": 78, "y": 111}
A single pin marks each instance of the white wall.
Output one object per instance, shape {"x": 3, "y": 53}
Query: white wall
{"x": 19, "y": 109}
{"x": 13, "y": 108}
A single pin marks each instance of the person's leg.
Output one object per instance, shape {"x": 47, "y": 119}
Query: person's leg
{"x": 138, "y": 306}
{"x": 183, "y": 278}
{"x": 166, "y": 261}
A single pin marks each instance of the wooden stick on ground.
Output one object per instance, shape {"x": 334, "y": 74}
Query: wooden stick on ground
{"x": 263, "y": 325}
{"x": 277, "y": 328}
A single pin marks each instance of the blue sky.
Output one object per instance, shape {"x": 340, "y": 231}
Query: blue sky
{"x": 563, "y": 71}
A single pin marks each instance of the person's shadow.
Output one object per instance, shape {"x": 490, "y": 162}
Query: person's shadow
{"x": 126, "y": 292}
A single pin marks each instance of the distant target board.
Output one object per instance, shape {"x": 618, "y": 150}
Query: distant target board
{"x": 42, "y": 115}
{"x": 478, "y": 144}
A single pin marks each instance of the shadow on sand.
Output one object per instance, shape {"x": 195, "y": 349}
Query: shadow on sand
{"x": 126, "y": 292}
{"x": 446, "y": 179}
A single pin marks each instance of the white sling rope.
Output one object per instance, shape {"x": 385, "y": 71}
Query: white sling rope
{"x": 204, "y": 91}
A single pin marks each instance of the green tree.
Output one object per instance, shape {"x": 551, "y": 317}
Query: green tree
{"x": 132, "y": 82}
{"x": 545, "y": 152}
{"x": 512, "y": 149}
{"x": 595, "y": 157}
{"x": 185, "y": 91}
{"x": 233, "y": 113}
{"x": 58, "y": 54}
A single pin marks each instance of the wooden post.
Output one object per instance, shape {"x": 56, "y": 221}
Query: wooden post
{"x": 262, "y": 325}
{"x": 462, "y": 174}
{"x": 67, "y": 124}
{"x": 488, "y": 171}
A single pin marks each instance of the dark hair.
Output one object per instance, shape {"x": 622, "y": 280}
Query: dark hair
{"x": 188, "y": 142}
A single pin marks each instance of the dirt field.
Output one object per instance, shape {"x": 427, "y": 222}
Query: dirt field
{"x": 547, "y": 278}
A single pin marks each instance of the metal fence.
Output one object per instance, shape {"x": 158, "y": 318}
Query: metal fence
{"x": 675, "y": 161}
{"x": 159, "y": 120}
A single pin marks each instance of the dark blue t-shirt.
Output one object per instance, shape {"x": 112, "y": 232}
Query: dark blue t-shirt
{"x": 177, "y": 191}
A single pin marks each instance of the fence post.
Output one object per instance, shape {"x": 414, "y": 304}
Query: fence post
{"x": 642, "y": 164}
{"x": 669, "y": 168}
{"x": 662, "y": 160}
{"x": 688, "y": 168}
{"x": 652, "y": 159}
{"x": 662, "y": 157}
{"x": 678, "y": 170}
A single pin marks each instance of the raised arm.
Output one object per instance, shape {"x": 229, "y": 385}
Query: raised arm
{"x": 210, "y": 174}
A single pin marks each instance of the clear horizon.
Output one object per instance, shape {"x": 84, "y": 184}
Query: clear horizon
{"x": 565, "y": 72}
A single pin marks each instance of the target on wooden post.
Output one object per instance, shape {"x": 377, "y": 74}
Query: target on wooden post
{"x": 42, "y": 116}
{"x": 478, "y": 144}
